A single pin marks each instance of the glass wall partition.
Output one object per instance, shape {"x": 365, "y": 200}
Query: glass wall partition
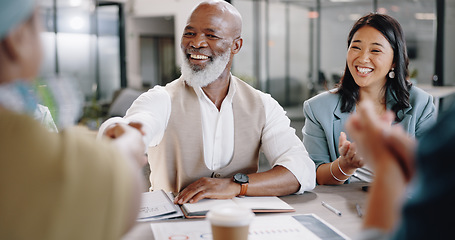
{"x": 82, "y": 41}
{"x": 109, "y": 50}
{"x": 294, "y": 49}
{"x": 449, "y": 47}
{"x": 77, "y": 45}
{"x": 418, "y": 20}
{"x": 337, "y": 19}
{"x": 276, "y": 52}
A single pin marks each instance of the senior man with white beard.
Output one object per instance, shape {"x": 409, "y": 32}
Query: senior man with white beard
{"x": 206, "y": 129}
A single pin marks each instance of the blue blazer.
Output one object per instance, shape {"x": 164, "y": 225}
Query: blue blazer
{"x": 324, "y": 121}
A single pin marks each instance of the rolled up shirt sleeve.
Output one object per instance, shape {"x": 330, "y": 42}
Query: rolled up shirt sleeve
{"x": 281, "y": 145}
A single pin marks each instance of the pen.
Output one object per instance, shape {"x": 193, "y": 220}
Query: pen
{"x": 359, "y": 210}
{"x": 334, "y": 210}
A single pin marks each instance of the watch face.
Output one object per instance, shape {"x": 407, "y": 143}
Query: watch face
{"x": 241, "y": 178}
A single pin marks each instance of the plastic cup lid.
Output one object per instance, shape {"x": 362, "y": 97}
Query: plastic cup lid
{"x": 230, "y": 216}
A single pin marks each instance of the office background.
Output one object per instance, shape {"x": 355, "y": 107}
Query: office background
{"x": 292, "y": 49}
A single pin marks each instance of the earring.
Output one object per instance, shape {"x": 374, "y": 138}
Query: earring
{"x": 392, "y": 73}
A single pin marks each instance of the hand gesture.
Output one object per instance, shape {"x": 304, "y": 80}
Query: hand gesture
{"x": 379, "y": 141}
{"x": 349, "y": 158}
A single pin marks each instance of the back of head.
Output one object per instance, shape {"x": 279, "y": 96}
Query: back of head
{"x": 20, "y": 49}
{"x": 13, "y": 13}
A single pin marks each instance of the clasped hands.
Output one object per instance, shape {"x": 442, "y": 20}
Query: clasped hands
{"x": 380, "y": 142}
{"x": 376, "y": 140}
{"x": 128, "y": 139}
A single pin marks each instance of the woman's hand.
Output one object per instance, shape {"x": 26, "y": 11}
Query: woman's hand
{"x": 349, "y": 159}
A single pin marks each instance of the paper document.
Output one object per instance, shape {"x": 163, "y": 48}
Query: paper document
{"x": 262, "y": 228}
{"x": 256, "y": 204}
{"x": 157, "y": 205}
{"x": 365, "y": 174}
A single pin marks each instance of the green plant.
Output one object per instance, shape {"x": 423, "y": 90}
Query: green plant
{"x": 413, "y": 73}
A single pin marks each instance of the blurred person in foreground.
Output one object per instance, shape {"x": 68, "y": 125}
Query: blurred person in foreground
{"x": 412, "y": 193}
{"x": 56, "y": 185}
{"x": 376, "y": 71}
{"x": 206, "y": 129}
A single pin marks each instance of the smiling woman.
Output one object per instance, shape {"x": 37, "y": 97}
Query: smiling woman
{"x": 370, "y": 59}
{"x": 377, "y": 71}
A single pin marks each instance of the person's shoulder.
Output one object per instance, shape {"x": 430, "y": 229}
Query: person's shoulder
{"x": 323, "y": 105}
{"x": 21, "y": 130}
{"x": 157, "y": 91}
{"x": 178, "y": 81}
{"x": 327, "y": 98}
{"x": 100, "y": 151}
{"x": 417, "y": 91}
{"x": 174, "y": 87}
{"x": 19, "y": 123}
{"x": 417, "y": 95}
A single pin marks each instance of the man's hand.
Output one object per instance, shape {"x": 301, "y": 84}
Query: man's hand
{"x": 129, "y": 141}
{"x": 116, "y": 130}
{"x": 221, "y": 188}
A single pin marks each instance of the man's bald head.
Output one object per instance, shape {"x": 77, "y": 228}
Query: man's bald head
{"x": 211, "y": 38}
{"x": 221, "y": 8}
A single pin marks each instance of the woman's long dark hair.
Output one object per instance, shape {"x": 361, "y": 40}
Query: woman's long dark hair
{"x": 398, "y": 86}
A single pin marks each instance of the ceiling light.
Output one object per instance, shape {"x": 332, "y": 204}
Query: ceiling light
{"x": 425, "y": 16}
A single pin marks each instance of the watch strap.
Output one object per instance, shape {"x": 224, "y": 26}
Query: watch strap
{"x": 243, "y": 188}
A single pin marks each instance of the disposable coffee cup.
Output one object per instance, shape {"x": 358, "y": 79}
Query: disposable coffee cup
{"x": 229, "y": 222}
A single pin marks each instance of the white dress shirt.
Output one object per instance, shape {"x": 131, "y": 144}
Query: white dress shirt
{"x": 278, "y": 139}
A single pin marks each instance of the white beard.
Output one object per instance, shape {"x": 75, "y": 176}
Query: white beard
{"x": 203, "y": 77}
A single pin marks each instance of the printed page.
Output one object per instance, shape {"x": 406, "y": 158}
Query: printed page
{"x": 157, "y": 204}
{"x": 204, "y": 205}
{"x": 264, "y": 204}
{"x": 257, "y": 204}
{"x": 262, "y": 228}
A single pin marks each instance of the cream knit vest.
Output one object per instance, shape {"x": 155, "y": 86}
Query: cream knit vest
{"x": 179, "y": 158}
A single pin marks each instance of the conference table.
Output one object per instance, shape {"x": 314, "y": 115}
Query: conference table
{"x": 344, "y": 198}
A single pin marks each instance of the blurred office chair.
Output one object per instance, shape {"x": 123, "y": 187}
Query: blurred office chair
{"x": 123, "y": 101}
